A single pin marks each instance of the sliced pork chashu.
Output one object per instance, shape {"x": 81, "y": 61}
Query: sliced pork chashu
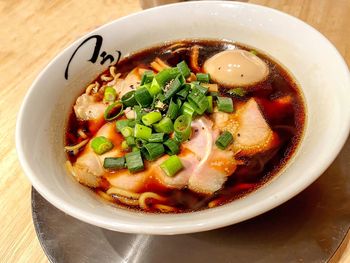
{"x": 252, "y": 134}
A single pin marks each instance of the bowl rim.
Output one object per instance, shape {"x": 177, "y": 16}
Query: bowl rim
{"x": 192, "y": 226}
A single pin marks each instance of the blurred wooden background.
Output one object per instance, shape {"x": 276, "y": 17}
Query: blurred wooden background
{"x": 33, "y": 32}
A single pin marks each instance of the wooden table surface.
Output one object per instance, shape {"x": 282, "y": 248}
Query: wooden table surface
{"x": 33, "y": 32}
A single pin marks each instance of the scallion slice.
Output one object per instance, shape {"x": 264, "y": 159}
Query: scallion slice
{"x": 202, "y": 77}
{"x": 109, "y": 94}
{"x": 179, "y": 102}
{"x": 127, "y": 131}
{"x": 198, "y": 101}
{"x": 166, "y": 75}
{"x": 122, "y": 124}
{"x": 224, "y": 140}
{"x": 174, "y": 87}
{"x": 135, "y": 149}
{"x": 125, "y": 146}
{"x": 172, "y": 165}
{"x": 200, "y": 88}
{"x": 147, "y": 77}
{"x": 183, "y": 68}
{"x": 128, "y": 99}
{"x": 142, "y": 132}
{"x": 113, "y": 111}
{"x": 132, "y": 123}
{"x": 225, "y": 104}
{"x": 134, "y": 162}
{"x": 140, "y": 143}
{"x": 171, "y": 147}
{"x": 152, "y": 151}
{"x": 143, "y": 97}
{"x": 210, "y": 108}
{"x": 114, "y": 163}
{"x": 172, "y": 110}
{"x": 156, "y": 137}
{"x": 165, "y": 126}
{"x": 101, "y": 145}
{"x": 183, "y": 93}
{"x": 138, "y": 113}
{"x": 130, "y": 141}
{"x": 151, "y": 117}
{"x": 154, "y": 88}
{"x": 187, "y": 109}
{"x": 182, "y": 128}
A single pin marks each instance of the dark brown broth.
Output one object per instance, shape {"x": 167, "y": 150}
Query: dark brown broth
{"x": 256, "y": 170}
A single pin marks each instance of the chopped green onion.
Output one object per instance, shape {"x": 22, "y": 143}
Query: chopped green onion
{"x": 156, "y": 137}
{"x": 138, "y": 113}
{"x": 224, "y": 140}
{"x": 142, "y": 132}
{"x": 193, "y": 83}
{"x": 182, "y": 128}
{"x": 178, "y": 102}
{"x": 154, "y": 89}
{"x": 183, "y": 93}
{"x": 254, "y": 52}
{"x": 135, "y": 149}
{"x": 152, "y": 117}
{"x": 210, "y": 102}
{"x": 109, "y": 95}
{"x": 201, "y": 77}
{"x": 130, "y": 141}
{"x": 198, "y": 101}
{"x": 152, "y": 151}
{"x": 140, "y": 143}
{"x": 127, "y": 131}
{"x": 201, "y": 89}
{"x": 125, "y": 146}
{"x": 128, "y": 99}
{"x": 211, "y": 87}
{"x": 171, "y": 147}
{"x": 147, "y": 86}
{"x": 174, "y": 87}
{"x": 160, "y": 97}
{"x": 240, "y": 92}
{"x": 225, "y": 104}
{"x": 187, "y": 109}
{"x": 121, "y": 124}
{"x": 132, "y": 123}
{"x": 114, "y": 163}
{"x": 101, "y": 145}
{"x": 183, "y": 69}
{"x": 166, "y": 75}
{"x": 143, "y": 97}
{"x": 172, "y": 110}
{"x": 147, "y": 77}
{"x": 113, "y": 111}
{"x": 165, "y": 126}
{"x": 134, "y": 161}
{"x": 172, "y": 165}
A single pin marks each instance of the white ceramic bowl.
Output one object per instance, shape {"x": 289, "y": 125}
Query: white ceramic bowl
{"x": 309, "y": 56}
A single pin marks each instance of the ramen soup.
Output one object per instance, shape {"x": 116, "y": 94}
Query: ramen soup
{"x": 184, "y": 126}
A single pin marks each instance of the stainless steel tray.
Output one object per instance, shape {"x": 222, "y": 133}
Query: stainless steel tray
{"x": 308, "y": 228}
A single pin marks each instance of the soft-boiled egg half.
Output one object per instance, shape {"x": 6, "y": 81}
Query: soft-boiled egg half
{"x": 236, "y": 68}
